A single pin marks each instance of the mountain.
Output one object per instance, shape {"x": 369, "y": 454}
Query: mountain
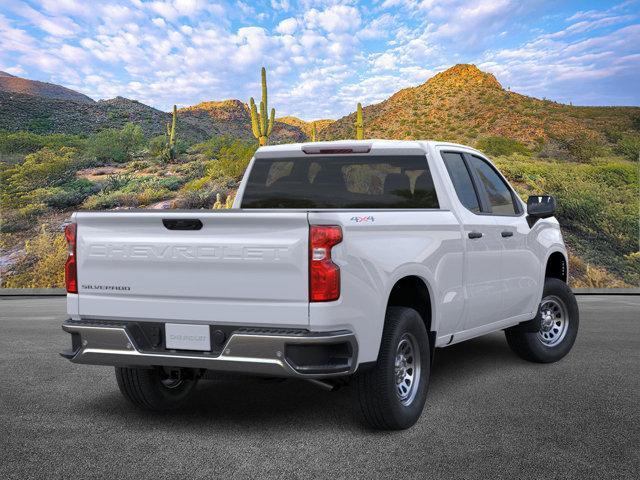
{"x": 38, "y": 114}
{"x": 463, "y": 104}
{"x": 43, "y": 110}
{"x": 306, "y": 126}
{"x": 232, "y": 118}
{"x": 16, "y": 85}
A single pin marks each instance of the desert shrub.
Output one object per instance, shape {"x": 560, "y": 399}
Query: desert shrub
{"x": 157, "y": 145}
{"x": 152, "y": 195}
{"x": 43, "y": 169}
{"x": 28, "y": 142}
{"x": 497, "y": 146}
{"x": 629, "y": 146}
{"x": 43, "y": 265}
{"x": 584, "y": 275}
{"x": 204, "y": 198}
{"x": 581, "y": 146}
{"x": 232, "y": 155}
{"x": 106, "y": 201}
{"x": 68, "y": 195}
{"x": 116, "y": 145}
{"x": 116, "y": 182}
{"x": 17, "y": 220}
{"x": 233, "y": 161}
{"x": 40, "y": 125}
{"x": 132, "y": 195}
{"x": 171, "y": 183}
{"x": 138, "y": 165}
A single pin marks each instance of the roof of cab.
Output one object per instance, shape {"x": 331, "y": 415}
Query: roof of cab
{"x": 374, "y": 143}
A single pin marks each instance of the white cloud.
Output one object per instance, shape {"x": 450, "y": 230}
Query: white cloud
{"x": 338, "y": 18}
{"x": 386, "y": 61}
{"x": 56, "y": 26}
{"x": 280, "y": 5}
{"x": 379, "y": 27}
{"x": 287, "y": 26}
{"x": 159, "y": 22}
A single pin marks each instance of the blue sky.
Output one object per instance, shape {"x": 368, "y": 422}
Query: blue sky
{"x": 322, "y": 56}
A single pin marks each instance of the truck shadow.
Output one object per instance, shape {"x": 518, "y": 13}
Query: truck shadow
{"x": 238, "y": 402}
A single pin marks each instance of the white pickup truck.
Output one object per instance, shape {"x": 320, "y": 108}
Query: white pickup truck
{"x": 342, "y": 262}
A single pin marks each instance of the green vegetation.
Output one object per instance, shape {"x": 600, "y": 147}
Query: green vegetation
{"x": 46, "y": 254}
{"x": 27, "y": 142}
{"x": 597, "y": 206}
{"x": 41, "y": 170}
{"x": 496, "y": 146}
{"x": 260, "y": 125}
{"x": 581, "y": 146}
{"x": 116, "y": 145}
{"x": 629, "y": 146}
{"x": 359, "y": 124}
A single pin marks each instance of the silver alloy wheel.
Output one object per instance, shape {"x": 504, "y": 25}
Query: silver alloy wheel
{"x": 407, "y": 368}
{"x": 555, "y": 321}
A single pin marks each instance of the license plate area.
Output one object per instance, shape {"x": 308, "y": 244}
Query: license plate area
{"x": 182, "y": 336}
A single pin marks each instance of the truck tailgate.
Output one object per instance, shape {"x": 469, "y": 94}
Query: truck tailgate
{"x": 238, "y": 268}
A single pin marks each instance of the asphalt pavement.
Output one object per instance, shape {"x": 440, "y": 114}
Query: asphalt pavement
{"x": 488, "y": 415}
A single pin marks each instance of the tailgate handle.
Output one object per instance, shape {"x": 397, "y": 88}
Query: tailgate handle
{"x": 182, "y": 223}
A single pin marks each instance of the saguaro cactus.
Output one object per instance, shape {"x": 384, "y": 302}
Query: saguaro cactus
{"x": 359, "y": 125}
{"x": 260, "y": 124}
{"x": 314, "y": 133}
{"x": 171, "y": 135}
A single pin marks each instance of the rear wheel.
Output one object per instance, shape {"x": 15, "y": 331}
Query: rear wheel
{"x": 392, "y": 394}
{"x": 156, "y": 389}
{"x": 556, "y": 326}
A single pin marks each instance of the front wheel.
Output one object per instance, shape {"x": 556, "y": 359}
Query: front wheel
{"x": 392, "y": 394}
{"x": 557, "y": 326}
{"x": 156, "y": 389}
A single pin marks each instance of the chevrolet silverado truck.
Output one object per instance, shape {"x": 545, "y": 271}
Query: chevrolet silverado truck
{"x": 340, "y": 262}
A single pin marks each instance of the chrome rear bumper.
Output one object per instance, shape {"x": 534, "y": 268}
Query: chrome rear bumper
{"x": 245, "y": 351}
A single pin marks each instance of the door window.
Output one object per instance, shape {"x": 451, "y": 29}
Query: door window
{"x": 461, "y": 180}
{"x": 498, "y": 192}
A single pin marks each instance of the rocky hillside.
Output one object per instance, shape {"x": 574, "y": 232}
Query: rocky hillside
{"x": 46, "y": 108}
{"x": 16, "y": 85}
{"x": 306, "y": 126}
{"x": 463, "y": 104}
{"x": 232, "y": 118}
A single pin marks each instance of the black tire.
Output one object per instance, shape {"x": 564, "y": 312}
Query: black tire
{"x": 377, "y": 399}
{"x": 151, "y": 389}
{"x": 538, "y": 346}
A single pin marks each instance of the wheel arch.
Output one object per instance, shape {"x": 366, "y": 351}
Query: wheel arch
{"x": 413, "y": 291}
{"x": 557, "y": 266}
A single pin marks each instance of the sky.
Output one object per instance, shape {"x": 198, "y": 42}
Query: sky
{"x": 322, "y": 57}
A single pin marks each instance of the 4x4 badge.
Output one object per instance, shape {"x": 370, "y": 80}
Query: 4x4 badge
{"x": 363, "y": 219}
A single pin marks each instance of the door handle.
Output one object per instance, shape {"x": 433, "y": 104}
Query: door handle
{"x": 473, "y": 235}
{"x": 182, "y": 223}
{"x": 506, "y": 234}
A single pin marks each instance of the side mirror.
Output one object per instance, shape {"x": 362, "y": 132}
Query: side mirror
{"x": 541, "y": 206}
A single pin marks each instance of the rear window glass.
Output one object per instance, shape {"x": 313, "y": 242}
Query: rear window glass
{"x": 341, "y": 182}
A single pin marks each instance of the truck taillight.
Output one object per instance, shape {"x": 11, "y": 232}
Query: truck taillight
{"x": 324, "y": 275}
{"x": 70, "y": 268}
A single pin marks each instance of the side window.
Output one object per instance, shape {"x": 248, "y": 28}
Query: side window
{"x": 461, "y": 180}
{"x": 498, "y": 191}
